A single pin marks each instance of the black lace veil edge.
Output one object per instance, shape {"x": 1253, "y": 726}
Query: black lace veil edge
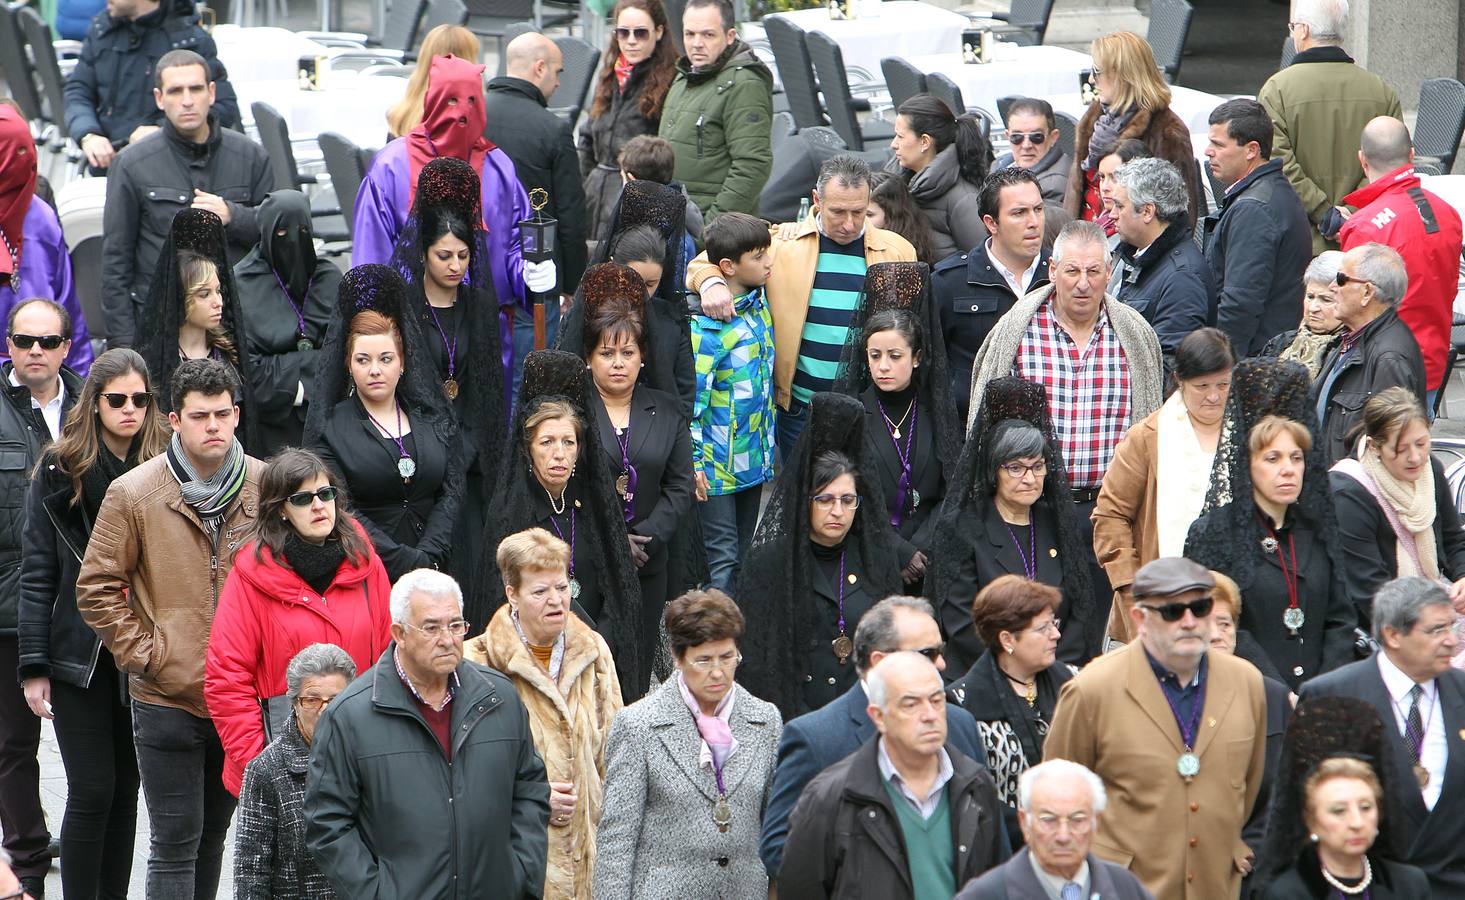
{"x": 776, "y": 581}
{"x": 201, "y": 232}
{"x": 968, "y": 494}
{"x": 548, "y": 375}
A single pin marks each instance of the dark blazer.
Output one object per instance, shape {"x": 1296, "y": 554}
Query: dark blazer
{"x": 915, "y": 531}
{"x": 825, "y": 679}
{"x": 543, "y": 151}
{"x": 992, "y": 554}
{"x": 815, "y": 741}
{"x": 409, "y": 523}
{"x": 1015, "y": 880}
{"x": 1325, "y": 640}
{"x": 1370, "y": 550}
{"x": 1170, "y": 284}
{"x": 1385, "y": 356}
{"x": 1279, "y": 713}
{"x": 1304, "y": 881}
{"x": 1258, "y": 246}
{"x": 1433, "y": 837}
{"x": 971, "y": 295}
{"x": 845, "y": 839}
{"x": 661, "y": 450}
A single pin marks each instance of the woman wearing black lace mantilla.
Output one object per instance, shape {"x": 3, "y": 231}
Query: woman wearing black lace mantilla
{"x": 1008, "y": 511}
{"x": 894, "y": 361}
{"x": 1268, "y": 523}
{"x": 823, "y": 554}
{"x": 556, "y": 477}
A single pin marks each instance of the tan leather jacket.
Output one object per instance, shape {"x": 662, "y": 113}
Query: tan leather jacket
{"x": 789, "y": 286}
{"x": 151, "y": 579}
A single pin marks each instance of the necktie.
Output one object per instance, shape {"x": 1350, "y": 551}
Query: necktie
{"x": 1071, "y": 891}
{"x": 1414, "y": 724}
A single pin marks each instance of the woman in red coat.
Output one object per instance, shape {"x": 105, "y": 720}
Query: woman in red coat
{"x": 308, "y": 575}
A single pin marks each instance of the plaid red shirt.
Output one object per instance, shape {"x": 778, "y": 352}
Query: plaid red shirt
{"x": 1088, "y": 391}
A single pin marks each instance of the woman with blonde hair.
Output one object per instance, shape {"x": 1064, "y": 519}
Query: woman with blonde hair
{"x": 444, "y": 40}
{"x": 563, "y": 672}
{"x": 1133, "y": 102}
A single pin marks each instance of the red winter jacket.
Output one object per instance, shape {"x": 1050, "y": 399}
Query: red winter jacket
{"x": 1389, "y": 212}
{"x": 266, "y": 615}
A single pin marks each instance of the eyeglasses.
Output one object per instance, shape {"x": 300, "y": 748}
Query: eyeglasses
{"x": 827, "y": 501}
{"x": 1078, "y": 823}
{"x": 1046, "y": 628}
{"x": 1018, "y": 470}
{"x": 314, "y": 703}
{"x": 1036, "y": 138}
{"x": 303, "y": 499}
{"x": 141, "y": 399}
{"x": 1174, "y": 612}
{"x": 933, "y": 653}
{"x": 641, "y": 33}
{"x": 27, "y": 341}
{"x": 434, "y": 630}
{"x": 725, "y": 662}
{"x": 1342, "y": 279}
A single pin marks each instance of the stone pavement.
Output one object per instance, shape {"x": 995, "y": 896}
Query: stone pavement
{"x": 53, "y": 798}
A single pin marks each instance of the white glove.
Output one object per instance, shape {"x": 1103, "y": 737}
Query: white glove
{"x": 539, "y": 277}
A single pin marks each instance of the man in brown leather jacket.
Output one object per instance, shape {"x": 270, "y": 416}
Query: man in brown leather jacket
{"x": 162, "y": 546}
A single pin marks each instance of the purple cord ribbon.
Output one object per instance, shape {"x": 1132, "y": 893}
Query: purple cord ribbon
{"x": 1188, "y": 735}
{"x": 627, "y": 502}
{"x": 897, "y": 515}
{"x": 451, "y": 348}
{"x": 299, "y": 310}
{"x": 571, "y": 542}
{"x": 839, "y": 592}
{"x": 400, "y": 442}
{"x": 1029, "y": 559}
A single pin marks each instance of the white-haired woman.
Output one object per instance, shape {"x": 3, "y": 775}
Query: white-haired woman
{"x": 270, "y": 856}
{"x": 1320, "y": 329}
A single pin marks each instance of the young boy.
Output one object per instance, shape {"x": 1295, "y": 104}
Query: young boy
{"x": 732, "y": 413}
{"x": 650, "y": 158}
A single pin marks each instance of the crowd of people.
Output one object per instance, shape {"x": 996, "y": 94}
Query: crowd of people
{"x": 1008, "y": 526}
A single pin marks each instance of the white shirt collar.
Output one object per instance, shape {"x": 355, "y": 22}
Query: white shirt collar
{"x": 1053, "y": 884}
{"x": 925, "y": 805}
{"x": 51, "y": 412}
{"x": 1397, "y": 683}
{"x": 1019, "y": 284}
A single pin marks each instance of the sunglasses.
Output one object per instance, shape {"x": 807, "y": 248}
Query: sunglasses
{"x": 141, "y": 399}
{"x": 933, "y": 653}
{"x": 1036, "y": 138}
{"x": 303, "y": 499}
{"x": 1174, "y": 612}
{"x": 47, "y": 341}
{"x": 1342, "y": 278}
{"x": 640, "y": 33}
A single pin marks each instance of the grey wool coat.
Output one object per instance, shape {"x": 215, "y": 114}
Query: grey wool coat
{"x": 656, "y": 837}
{"x": 1136, "y": 337}
{"x": 271, "y": 861}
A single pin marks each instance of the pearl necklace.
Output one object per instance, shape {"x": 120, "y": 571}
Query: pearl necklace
{"x": 1344, "y": 889}
{"x": 561, "y": 510}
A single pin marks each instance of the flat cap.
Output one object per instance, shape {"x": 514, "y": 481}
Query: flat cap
{"x": 1171, "y": 575}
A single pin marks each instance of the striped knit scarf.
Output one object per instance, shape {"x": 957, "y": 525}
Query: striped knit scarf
{"x": 210, "y": 497}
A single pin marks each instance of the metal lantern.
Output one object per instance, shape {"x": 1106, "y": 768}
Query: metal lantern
{"x": 537, "y": 235}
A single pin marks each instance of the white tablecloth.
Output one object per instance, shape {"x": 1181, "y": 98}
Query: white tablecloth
{"x": 354, "y": 107}
{"x": 1031, "y": 72}
{"x": 263, "y": 54}
{"x": 901, "y": 28}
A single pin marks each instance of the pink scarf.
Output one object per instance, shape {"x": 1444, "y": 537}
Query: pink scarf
{"x": 716, "y": 733}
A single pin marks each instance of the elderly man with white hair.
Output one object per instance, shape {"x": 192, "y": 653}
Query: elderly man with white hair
{"x": 905, "y": 816}
{"x": 1164, "y": 274}
{"x": 1318, "y": 106}
{"x": 1059, "y": 805}
{"x": 424, "y": 781}
{"x": 1377, "y": 350}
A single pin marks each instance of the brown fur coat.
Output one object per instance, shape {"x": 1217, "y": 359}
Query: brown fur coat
{"x": 1166, "y": 136}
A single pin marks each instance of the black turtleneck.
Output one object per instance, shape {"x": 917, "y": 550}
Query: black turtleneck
{"x": 896, "y": 402}
{"x": 827, "y": 559}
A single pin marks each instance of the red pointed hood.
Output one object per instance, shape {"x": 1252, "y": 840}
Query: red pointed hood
{"x": 453, "y": 118}
{"x": 17, "y": 186}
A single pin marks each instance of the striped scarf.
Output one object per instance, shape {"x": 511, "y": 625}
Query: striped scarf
{"x": 210, "y": 497}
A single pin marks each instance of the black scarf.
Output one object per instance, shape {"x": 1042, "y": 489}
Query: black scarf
{"x": 99, "y": 477}
{"x": 1029, "y": 723}
{"x": 317, "y": 564}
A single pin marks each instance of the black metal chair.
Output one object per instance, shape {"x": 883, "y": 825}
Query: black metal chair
{"x": 795, "y": 71}
{"x": 944, "y": 89}
{"x": 347, "y": 169}
{"x": 580, "y": 62}
{"x": 838, "y": 101}
{"x": 1067, "y": 130}
{"x": 1025, "y": 24}
{"x": 511, "y": 32}
{"x": 823, "y": 136}
{"x": 1169, "y": 28}
{"x": 902, "y": 79}
{"x": 1289, "y": 52}
{"x": 1441, "y": 121}
{"x": 37, "y": 35}
{"x": 18, "y": 77}
{"x": 327, "y": 222}
{"x": 442, "y": 12}
{"x": 400, "y": 33}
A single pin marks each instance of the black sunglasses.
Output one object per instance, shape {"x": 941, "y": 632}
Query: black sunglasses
{"x": 303, "y": 499}
{"x": 1174, "y": 612}
{"x": 640, "y": 34}
{"x": 1036, "y": 138}
{"x": 27, "y": 341}
{"x": 933, "y": 653}
{"x": 141, "y": 400}
{"x": 1342, "y": 279}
